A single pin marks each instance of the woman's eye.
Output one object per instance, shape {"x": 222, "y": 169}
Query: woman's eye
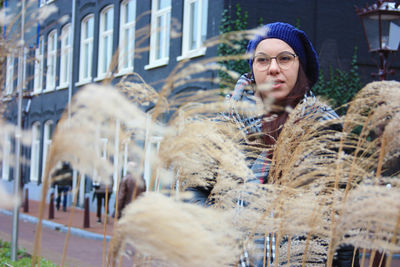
{"x": 262, "y": 60}
{"x": 284, "y": 58}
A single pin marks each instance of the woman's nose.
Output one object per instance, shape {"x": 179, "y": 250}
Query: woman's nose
{"x": 274, "y": 67}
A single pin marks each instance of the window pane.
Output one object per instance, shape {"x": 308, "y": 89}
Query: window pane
{"x": 158, "y": 38}
{"x": 166, "y": 31}
{"x": 105, "y": 21}
{"x": 126, "y": 48}
{"x": 204, "y": 21}
{"x": 163, "y": 4}
{"x": 86, "y": 30}
{"x": 108, "y": 20}
{"x": 131, "y": 10}
{"x": 90, "y": 28}
{"x": 105, "y": 54}
{"x": 86, "y": 61}
{"x": 194, "y": 10}
{"x": 54, "y": 42}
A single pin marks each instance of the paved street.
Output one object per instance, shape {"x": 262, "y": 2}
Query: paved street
{"x": 85, "y": 246}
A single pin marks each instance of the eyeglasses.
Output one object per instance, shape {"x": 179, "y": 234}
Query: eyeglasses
{"x": 284, "y": 59}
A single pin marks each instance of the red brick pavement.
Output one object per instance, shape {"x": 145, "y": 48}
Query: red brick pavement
{"x": 80, "y": 251}
{"x": 64, "y": 218}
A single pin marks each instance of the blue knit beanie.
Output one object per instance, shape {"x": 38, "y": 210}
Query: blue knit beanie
{"x": 297, "y": 40}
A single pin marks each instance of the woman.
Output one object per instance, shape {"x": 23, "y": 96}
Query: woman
{"x": 284, "y": 67}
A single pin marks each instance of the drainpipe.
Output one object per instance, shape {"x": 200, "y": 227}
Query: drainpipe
{"x": 70, "y": 86}
{"x": 71, "y": 59}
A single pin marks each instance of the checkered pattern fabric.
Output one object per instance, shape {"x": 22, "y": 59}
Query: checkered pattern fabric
{"x": 244, "y": 91}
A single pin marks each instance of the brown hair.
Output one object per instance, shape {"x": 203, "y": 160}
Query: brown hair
{"x": 272, "y": 126}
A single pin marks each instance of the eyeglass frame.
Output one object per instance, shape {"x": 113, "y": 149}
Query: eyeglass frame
{"x": 275, "y": 57}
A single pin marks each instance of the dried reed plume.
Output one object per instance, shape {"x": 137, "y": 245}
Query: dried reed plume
{"x": 176, "y": 233}
{"x": 322, "y": 176}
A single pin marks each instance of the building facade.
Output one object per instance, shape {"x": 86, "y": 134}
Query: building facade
{"x": 69, "y": 44}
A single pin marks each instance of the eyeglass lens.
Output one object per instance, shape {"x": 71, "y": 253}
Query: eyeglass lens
{"x": 284, "y": 60}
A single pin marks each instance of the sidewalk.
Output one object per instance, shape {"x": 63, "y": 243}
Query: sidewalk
{"x": 73, "y": 217}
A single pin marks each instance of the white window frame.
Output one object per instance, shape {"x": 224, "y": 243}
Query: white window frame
{"x": 35, "y": 152}
{"x": 5, "y": 168}
{"x": 39, "y": 60}
{"x": 191, "y": 27}
{"x": 159, "y": 36}
{"x": 65, "y": 55}
{"x": 47, "y": 134}
{"x": 44, "y": 2}
{"x": 105, "y": 42}
{"x": 126, "y": 37}
{"x": 86, "y": 40}
{"x": 9, "y": 86}
{"x": 51, "y": 73}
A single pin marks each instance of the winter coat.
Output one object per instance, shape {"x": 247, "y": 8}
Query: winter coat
{"x": 129, "y": 190}
{"x": 244, "y": 91}
{"x": 100, "y": 188}
{"x": 63, "y": 176}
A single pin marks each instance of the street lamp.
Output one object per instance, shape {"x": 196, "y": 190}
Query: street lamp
{"x": 381, "y": 24}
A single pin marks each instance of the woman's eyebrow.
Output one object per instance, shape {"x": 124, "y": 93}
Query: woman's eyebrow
{"x": 264, "y": 54}
{"x": 260, "y": 53}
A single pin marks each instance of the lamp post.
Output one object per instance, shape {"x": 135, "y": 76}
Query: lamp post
{"x": 381, "y": 24}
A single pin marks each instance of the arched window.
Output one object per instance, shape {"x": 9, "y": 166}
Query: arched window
{"x": 65, "y": 55}
{"x": 38, "y": 80}
{"x": 51, "y": 60}
{"x": 160, "y": 32}
{"x": 105, "y": 40}
{"x": 127, "y": 36}
{"x": 86, "y": 51}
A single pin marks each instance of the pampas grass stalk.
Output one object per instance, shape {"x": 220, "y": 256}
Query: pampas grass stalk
{"x": 75, "y": 194}
{"x": 394, "y": 240}
{"x": 198, "y": 236}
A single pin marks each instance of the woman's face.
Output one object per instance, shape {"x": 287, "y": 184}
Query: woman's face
{"x": 282, "y": 77}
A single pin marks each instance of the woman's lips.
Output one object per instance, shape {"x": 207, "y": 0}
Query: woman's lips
{"x": 277, "y": 84}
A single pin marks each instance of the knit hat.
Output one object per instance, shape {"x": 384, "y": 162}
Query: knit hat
{"x": 297, "y": 40}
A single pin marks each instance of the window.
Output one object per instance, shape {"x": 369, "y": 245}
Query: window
{"x": 160, "y": 30}
{"x": 47, "y": 133}
{"x": 10, "y": 75}
{"x": 51, "y": 60}
{"x": 5, "y": 168}
{"x": 65, "y": 55}
{"x": 105, "y": 41}
{"x": 38, "y": 80}
{"x": 35, "y": 152}
{"x": 85, "y": 66}
{"x": 127, "y": 36}
{"x": 152, "y": 146}
{"x": 194, "y": 28}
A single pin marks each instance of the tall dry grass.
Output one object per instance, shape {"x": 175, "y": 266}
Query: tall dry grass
{"x": 330, "y": 183}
